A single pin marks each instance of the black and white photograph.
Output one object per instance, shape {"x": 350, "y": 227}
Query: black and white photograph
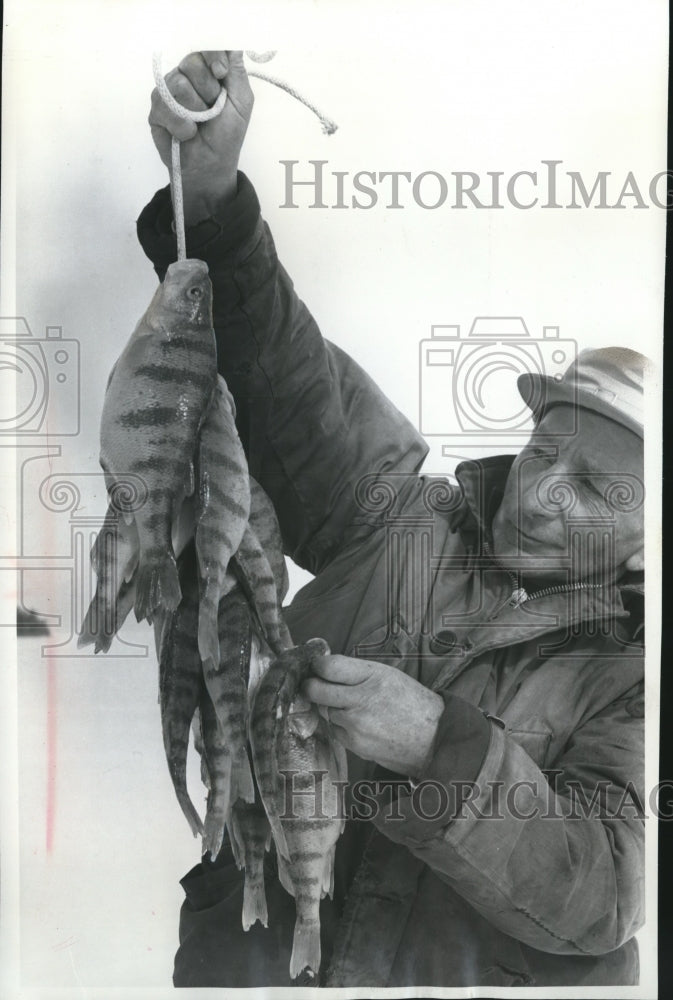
{"x": 331, "y": 463}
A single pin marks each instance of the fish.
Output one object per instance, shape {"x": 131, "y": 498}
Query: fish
{"x": 222, "y": 511}
{"x": 260, "y": 566}
{"x": 264, "y": 522}
{"x": 114, "y": 559}
{"x": 258, "y": 582}
{"x": 180, "y": 681}
{"x": 156, "y": 399}
{"x": 216, "y": 763}
{"x": 225, "y": 718}
{"x": 250, "y": 835}
{"x": 291, "y": 739}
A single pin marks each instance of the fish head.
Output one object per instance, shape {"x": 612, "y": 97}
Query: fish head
{"x": 185, "y": 295}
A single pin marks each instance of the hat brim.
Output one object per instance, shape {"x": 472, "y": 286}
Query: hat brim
{"x": 540, "y": 392}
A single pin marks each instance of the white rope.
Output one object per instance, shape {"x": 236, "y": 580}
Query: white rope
{"x": 176, "y": 172}
{"x": 328, "y": 126}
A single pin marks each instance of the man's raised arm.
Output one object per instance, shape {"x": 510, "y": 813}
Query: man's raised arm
{"x": 312, "y": 422}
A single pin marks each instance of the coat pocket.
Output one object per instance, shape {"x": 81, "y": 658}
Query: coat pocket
{"x": 534, "y": 736}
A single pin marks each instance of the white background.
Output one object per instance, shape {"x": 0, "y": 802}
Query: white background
{"x": 425, "y": 86}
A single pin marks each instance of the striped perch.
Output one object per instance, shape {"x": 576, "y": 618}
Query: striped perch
{"x": 292, "y": 742}
{"x": 216, "y": 762}
{"x": 155, "y": 402}
{"x": 226, "y": 682}
{"x": 250, "y": 836}
{"x": 259, "y": 584}
{"x": 180, "y": 682}
{"x": 264, "y": 523}
{"x": 222, "y": 510}
{"x": 114, "y": 559}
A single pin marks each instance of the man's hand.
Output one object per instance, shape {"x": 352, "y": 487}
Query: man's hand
{"x": 377, "y": 711}
{"x": 209, "y": 151}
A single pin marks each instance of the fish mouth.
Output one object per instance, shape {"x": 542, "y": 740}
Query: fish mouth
{"x": 184, "y": 268}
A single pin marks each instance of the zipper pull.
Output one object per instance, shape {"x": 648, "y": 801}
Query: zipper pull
{"x": 519, "y": 597}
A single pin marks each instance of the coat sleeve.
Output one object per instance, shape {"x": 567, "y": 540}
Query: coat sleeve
{"x": 313, "y": 423}
{"x": 527, "y": 848}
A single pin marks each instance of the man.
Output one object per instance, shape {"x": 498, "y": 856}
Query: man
{"x": 486, "y": 642}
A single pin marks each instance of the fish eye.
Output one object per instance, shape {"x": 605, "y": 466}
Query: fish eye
{"x": 194, "y": 292}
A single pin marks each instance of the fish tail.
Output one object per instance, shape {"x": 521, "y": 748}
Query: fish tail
{"x": 254, "y": 899}
{"x": 242, "y": 785}
{"x": 213, "y": 827}
{"x": 305, "y": 947}
{"x": 190, "y": 813}
{"x": 98, "y": 626}
{"x": 157, "y": 586}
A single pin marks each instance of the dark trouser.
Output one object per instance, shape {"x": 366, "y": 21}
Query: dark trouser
{"x": 216, "y": 951}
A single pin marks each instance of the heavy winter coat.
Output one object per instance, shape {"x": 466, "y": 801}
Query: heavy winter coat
{"x": 512, "y": 875}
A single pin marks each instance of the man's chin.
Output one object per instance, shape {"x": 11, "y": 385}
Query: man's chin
{"x": 522, "y": 553}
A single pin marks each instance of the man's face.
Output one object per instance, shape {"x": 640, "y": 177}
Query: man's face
{"x": 572, "y": 506}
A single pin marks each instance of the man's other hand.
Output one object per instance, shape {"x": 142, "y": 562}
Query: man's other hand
{"x": 377, "y": 711}
{"x": 209, "y": 152}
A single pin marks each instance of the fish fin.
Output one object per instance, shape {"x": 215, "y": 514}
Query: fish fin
{"x": 197, "y": 734}
{"x": 110, "y": 377}
{"x": 218, "y": 809}
{"x": 328, "y": 873}
{"x": 157, "y": 586}
{"x": 236, "y": 839}
{"x": 284, "y": 874}
{"x": 242, "y": 785}
{"x": 209, "y": 642}
{"x": 279, "y": 837}
{"x": 131, "y": 567}
{"x": 305, "y": 948}
{"x": 94, "y": 630}
{"x": 254, "y": 904}
{"x": 213, "y": 831}
{"x": 341, "y": 760}
{"x": 190, "y": 813}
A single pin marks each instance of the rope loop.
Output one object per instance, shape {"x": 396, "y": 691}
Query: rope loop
{"x": 328, "y": 126}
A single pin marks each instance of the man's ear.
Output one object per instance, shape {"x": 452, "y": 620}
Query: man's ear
{"x": 636, "y": 562}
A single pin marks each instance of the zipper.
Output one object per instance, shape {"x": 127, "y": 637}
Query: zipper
{"x": 521, "y": 596}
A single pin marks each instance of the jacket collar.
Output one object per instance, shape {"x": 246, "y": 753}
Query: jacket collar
{"x": 482, "y": 485}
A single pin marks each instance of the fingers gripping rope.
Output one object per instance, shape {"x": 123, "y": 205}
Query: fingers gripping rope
{"x": 176, "y": 173}
{"x": 328, "y": 127}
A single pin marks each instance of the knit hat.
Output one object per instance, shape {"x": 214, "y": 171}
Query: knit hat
{"x": 609, "y": 381}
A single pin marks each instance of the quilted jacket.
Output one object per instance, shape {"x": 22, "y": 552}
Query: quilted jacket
{"x": 525, "y": 865}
